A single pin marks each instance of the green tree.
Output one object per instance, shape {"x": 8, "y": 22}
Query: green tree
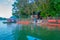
{"x": 47, "y": 7}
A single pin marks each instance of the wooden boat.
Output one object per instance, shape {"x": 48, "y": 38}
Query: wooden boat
{"x": 52, "y": 21}
{"x": 23, "y": 22}
{"x": 58, "y": 21}
{"x": 10, "y": 21}
{"x": 54, "y": 25}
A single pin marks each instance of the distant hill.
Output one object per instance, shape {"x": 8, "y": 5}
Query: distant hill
{"x": 1, "y": 18}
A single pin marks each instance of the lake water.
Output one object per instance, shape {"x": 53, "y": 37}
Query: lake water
{"x": 12, "y": 31}
{"x": 6, "y": 31}
{"x": 15, "y": 31}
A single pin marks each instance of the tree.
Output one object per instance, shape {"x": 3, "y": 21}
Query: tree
{"x": 47, "y": 7}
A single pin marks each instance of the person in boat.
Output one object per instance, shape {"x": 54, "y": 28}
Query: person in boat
{"x": 9, "y": 20}
{"x": 49, "y": 17}
{"x": 39, "y": 17}
{"x": 34, "y": 17}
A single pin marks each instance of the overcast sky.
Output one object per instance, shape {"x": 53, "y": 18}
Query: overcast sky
{"x": 6, "y": 8}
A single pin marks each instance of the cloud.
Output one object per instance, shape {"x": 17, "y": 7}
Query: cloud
{"x": 6, "y": 8}
{"x": 5, "y": 11}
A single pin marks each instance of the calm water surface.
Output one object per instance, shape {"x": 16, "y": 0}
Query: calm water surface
{"x": 6, "y": 31}
{"x": 14, "y": 32}
{"x": 27, "y": 32}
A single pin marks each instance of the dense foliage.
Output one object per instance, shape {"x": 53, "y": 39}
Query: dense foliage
{"x": 26, "y": 7}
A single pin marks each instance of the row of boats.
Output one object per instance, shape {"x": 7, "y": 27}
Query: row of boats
{"x": 51, "y": 22}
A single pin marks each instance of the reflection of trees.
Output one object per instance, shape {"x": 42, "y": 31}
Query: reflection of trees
{"x": 36, "y": 31}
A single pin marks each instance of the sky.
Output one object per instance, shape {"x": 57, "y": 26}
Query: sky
{"x": 6, "y": 8}
{"x": 30, "y": 1}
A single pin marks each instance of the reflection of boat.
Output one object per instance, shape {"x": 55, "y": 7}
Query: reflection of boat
{"x": 9, "y": 22}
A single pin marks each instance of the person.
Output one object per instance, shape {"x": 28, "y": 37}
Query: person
{"x": 49, "y": 17}
{"x": 34, "y": 19}
{"x": 9, "y": 20}
{"x": 39, "y": 17}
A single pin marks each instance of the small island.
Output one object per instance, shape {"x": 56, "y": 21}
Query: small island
{"x": 1, "y": 18}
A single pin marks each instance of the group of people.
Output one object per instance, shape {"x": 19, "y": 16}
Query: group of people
{"x": 36, "y": 17}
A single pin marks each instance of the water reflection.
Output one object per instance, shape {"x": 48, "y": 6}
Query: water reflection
{"x": 17, "y": 31}
{"x": 20, "y": 32}
{"x": 35, "y": 31}
{"x": 6, "y": 31}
